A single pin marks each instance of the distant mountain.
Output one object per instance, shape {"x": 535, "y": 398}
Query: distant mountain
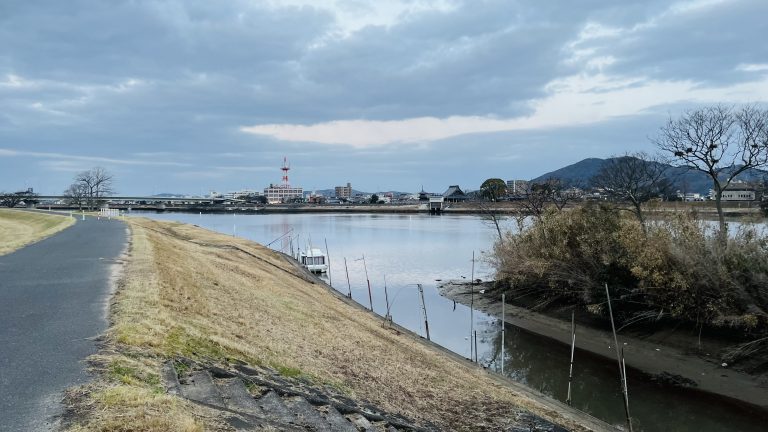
{"x": 580, "y": 174}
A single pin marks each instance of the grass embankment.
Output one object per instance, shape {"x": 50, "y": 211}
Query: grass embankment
{"x": 187, "y": 291}
{"x": 19, "y": 228}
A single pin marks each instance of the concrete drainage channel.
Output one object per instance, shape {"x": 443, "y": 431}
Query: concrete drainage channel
{"x": 255, "y": 398}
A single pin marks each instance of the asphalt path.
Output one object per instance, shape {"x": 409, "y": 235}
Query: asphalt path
{"x": 53, "y": 304}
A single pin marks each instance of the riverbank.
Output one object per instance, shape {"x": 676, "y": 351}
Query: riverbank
{"x": 504, "y": 208}
{"x": 19, "y": 228}
{"x": 662, "y": 356}
{"x": 188, "y": 292}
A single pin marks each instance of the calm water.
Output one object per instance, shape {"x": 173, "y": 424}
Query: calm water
{"x": 406, "y": 250}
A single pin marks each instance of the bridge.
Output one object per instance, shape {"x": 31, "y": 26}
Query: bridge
{"x": 152, "y": 199}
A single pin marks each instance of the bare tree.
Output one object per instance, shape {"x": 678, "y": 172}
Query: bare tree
{"x": 12, "y": 199}
{"x": 492, "y": 215}
{"x": 75, "y": 195}
{"x": 535, "y": 199}
{"x": 635, "y": 178}
{"x": 719, "y": 141}
{"x": 539, "y": 196}
{"x": 557, "y": 192}
{"x": 95, "y": 184}
{"x": 493, "y": 190}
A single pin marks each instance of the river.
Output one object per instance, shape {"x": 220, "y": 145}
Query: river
{"x": 406, "y": 250}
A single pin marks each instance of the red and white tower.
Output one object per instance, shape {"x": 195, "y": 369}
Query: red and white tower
{"x": 286, "y": 167}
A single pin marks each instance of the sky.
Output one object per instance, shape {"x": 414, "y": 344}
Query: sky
{"x": 177, "y": 96}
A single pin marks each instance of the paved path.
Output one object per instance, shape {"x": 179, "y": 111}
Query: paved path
{"x": 53, "y": 300}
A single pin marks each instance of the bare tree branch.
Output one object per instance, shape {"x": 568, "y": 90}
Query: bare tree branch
{"x": 719, "y": 141}
{"x": 91, "y": 186}
{"x": 633, "y": 178}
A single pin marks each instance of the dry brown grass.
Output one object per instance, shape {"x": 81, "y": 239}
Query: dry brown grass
{"x": 188, "y": 291}
{"x": 19, "y": 228}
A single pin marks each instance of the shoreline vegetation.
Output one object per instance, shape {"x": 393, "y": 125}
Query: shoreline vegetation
{"x": 698, "y": 291}
{"x": 19, "y": 228}
{"x": 192, "y": 293}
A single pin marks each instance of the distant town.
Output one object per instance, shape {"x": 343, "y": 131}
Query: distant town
{"x": 572, "y": 183}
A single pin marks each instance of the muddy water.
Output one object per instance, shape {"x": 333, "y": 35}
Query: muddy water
{"x": 406, "y": 250}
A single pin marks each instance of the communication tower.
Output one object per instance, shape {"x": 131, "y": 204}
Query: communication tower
{"x": 286, "y": 167}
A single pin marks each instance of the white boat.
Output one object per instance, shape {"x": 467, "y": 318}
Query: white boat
{"x": 314, "y": 260}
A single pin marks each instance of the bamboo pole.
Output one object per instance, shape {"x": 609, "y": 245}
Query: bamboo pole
{"x": 503, "y": 329}
{"x": 370, "y": 297}
{"x": 624, "y": 370}
{"x": 328, "y": 255}
{"x": 622, "y": 378}
{"x": 386, "y": 298}
{"x": 346, "y": 269}
{"x": 573, "y": 347}
{"x": 472, "y": 308}
{"x": 424, "y": 310}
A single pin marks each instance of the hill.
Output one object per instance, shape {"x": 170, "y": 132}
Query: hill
{"x": 684, "y": 179}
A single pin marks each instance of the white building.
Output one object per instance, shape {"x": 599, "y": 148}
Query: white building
{"x": 279, "y": 194}
{"x": 344, "y": 192}
{"x": 737, "y": 191}
{"x": 690, "y": 196}
{"x": 517, "y": 187}
{"x": 738, "y": 194}
{"x": 240, "y": 194}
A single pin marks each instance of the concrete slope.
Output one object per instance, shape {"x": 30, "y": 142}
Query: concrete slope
{"x": 53, "y": 303}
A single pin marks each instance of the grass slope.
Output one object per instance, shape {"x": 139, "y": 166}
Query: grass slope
{"x": 19, "y": 228}
{"x": 188, "y": 291}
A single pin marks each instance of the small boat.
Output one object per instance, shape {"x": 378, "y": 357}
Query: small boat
{"x": 314, "y": 260}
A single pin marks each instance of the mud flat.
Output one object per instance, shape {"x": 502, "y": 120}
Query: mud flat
{"x": 668, "y": 363}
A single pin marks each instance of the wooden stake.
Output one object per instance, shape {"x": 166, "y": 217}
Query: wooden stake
{"x": 573, "y": 347}
{"x": 476, "y": 356}
{"x": 622, "y": 378}
{"x": 346, "y": 269}
{"x": 370, "y": 297}
{"x": 386, "y": 298}
{"x": 472, "y": 308}
{"x": 424, "y": 310}
{"x": 328, "y": 255}
{"x": 503, "y": 329}
{"x": 624, "y": 371}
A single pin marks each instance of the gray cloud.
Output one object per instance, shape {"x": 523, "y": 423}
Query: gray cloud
{"x": 704, "y": 44}
{"x": 173, "y": 81}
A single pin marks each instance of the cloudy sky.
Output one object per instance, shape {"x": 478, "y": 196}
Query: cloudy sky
{"x": 189, "y": 96}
